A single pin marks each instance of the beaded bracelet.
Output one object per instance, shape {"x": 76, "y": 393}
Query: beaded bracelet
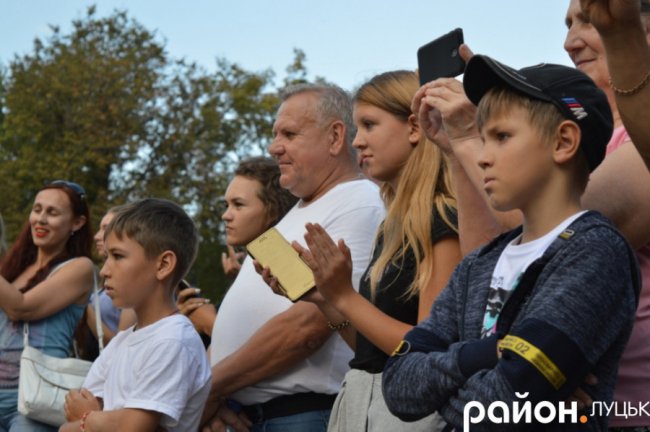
{"x": 82, "y": 422}
{"x": 633, "y": 90}
{"x": 338, "y": 327}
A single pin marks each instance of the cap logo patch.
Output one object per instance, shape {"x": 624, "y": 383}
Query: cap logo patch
{"x": 575, "y": 107}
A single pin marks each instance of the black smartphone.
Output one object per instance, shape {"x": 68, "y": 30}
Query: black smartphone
{"x": 185, "y": 284}
{"x": 440, "y": 58}
{"x": 645, "y": 7}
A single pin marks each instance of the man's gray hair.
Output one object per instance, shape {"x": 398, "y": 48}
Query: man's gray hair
{"x": 334, "y": 103}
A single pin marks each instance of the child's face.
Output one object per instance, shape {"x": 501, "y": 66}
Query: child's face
{"x": 129, "y": 276}
{"x": 384, "y": 142}
{"x": 515, "y": 160}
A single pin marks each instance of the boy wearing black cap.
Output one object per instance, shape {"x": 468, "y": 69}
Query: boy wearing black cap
{"x": 527, "y": 317}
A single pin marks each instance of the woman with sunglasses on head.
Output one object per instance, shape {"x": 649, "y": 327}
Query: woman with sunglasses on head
{"x": 45, "y": 280}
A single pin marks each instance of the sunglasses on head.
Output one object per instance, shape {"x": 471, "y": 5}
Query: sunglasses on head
{"x": 76, "y": 188}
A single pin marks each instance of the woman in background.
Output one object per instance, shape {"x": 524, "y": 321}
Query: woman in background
{"x": 113, "y": 319}
{"x": 255, "y": 202}
{"x": 45, "y": 280}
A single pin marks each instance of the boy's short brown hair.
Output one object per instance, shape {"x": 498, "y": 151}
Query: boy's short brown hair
{"x": 158, "y": 225}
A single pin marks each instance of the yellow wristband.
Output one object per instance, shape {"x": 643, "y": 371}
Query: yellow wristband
{"x": 535, "y": 357}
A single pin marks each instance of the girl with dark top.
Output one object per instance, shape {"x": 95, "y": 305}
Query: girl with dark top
{"x": 415, "y": 252}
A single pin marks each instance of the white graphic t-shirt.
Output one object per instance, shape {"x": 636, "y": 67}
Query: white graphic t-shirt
{"x": 512, "y": 264}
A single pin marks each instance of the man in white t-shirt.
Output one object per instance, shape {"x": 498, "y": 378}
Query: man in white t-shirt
{"x": 281, "y": 362}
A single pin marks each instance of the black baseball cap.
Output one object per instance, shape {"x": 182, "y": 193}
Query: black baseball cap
{"x": 570, "y": 90}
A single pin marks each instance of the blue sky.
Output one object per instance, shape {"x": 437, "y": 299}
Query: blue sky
{"x": 345, "y": 41}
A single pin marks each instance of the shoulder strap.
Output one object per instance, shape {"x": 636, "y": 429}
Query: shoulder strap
{"x": 98, "y": 313}
{"x": 25, "y": 323}
{"x": 25, "y": 334}
{"x": 60, "y": 266}
{"x": 529, "y": 279}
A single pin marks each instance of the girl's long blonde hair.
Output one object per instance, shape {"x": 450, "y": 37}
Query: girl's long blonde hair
{"x": 424, "y": 183}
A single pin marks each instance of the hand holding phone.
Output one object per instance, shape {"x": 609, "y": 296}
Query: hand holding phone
{"x": 441, "y": 58}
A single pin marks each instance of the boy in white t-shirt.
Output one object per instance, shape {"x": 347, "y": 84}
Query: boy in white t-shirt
{"x": 155, "y": 374}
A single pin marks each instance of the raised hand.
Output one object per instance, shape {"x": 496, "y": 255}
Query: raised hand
{"x": 231, "y": 262}
{"x": 611, "y": 15}
{"x": 188, "y": 301}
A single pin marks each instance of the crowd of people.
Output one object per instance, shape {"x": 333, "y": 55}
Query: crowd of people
{"x": 472, "y": 243}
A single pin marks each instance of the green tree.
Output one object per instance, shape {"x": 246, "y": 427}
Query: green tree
{"x": 106, "y": 107}
{"x": 77, "y": 107}
{"x": 209, "y": 122}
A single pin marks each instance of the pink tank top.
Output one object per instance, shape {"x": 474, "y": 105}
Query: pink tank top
{"x": 633, "y": 384}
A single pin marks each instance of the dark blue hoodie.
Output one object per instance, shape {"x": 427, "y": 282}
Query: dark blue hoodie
{"x": 576, "y": 317}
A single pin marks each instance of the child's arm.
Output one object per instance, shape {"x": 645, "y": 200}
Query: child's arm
{"x": 578, "y": 312}
{"x": 123, "y": 420}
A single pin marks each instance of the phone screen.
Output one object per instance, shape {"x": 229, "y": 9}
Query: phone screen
{"x": 441, "y": 58}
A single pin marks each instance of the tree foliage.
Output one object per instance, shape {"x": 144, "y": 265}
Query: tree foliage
{"x": 77, "y": 107}
{"x": 105, "y": 106}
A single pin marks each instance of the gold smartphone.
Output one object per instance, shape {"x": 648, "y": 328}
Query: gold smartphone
{"x": 272, "y": 250}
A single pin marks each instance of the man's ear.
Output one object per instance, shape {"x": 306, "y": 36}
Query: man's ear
{"x": 567, "y": 142}
{"x": 336, "y": 134}
{"x": 415, "y": 133}
{"x": 166, "y": 264}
